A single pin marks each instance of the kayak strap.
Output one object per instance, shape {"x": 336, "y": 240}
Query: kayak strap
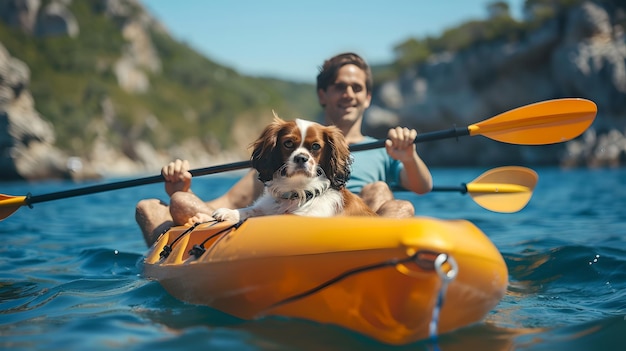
{"x": 421, "y": 258}
{"x": 198, "y": 249}
{"x": 447, "y": 269}
{"x": 167, "y": 249}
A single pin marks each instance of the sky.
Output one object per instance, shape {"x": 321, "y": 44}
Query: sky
{"x": 290, "y": 39}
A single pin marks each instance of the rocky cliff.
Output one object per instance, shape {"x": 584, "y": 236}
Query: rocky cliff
{"x": 580, "y": 53}
{"x": 26, "y": 140}
{"x": 111, "y": 93}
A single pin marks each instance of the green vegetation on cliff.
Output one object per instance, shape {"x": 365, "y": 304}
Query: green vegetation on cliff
{"x": 499, "y": 26}
{"x": 190, "y": 96}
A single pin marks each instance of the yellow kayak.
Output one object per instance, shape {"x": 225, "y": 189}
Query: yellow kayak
{"x": 394, "y": 280}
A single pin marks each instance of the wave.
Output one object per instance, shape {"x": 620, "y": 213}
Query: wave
{"x": 563, "y": 285}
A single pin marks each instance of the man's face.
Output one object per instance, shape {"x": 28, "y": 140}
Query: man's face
{"x": 347, "y": 98}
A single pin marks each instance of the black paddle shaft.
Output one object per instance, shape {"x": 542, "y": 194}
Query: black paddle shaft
{"x": 451, "y": 189}
{"x": 33, "y": 199}
{"x": 423, "y": 137}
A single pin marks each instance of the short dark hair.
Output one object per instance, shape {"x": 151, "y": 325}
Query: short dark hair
{"x": 328, "y": 72}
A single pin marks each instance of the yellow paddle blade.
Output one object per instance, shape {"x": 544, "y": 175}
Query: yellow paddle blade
{"x": 504, "y": 189}
{"x": 546, "y": 122}
{"x": 10, "y": 204}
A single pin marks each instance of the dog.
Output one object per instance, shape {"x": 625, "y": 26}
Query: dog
{"x": 304, "y": 167}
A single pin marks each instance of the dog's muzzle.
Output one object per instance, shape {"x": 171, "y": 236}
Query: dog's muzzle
{"x": 282, "y": 172}
{"x": 300, "y": 159}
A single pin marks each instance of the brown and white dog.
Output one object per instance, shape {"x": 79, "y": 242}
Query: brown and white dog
{"x": 304, "y": 167}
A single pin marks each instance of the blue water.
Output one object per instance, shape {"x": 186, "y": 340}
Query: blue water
{"x": 71, "y": 274}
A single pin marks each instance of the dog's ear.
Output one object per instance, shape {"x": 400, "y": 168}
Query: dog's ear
{"x": 337, "y": 158}
{"x": 266, "y": 157}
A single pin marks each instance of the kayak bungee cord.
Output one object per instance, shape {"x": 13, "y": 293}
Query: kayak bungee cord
{"x": 199, "y": 250}
{"x": 392, "y": 262}
{"x": 421, "y": 258}
{"x": 167, "y": 249}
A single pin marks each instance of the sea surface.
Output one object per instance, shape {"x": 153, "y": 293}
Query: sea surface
{"x": 71, "y": 274}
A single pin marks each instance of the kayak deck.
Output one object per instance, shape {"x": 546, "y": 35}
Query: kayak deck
{"x": 376, "y": 276}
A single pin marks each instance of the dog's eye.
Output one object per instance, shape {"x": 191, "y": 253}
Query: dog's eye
{"x": 288, "y": 144}
{"x": 316, "y": 146}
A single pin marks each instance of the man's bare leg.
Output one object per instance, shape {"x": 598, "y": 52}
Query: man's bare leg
{"x": 184, "y": 205}
{"x": 380, "y": 199}
{"x": 376, "y": 194}
{"x": 153, "y": 217}
{"x": 396, "y": 209}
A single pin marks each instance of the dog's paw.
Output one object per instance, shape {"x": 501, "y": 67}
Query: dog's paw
{"x": 226, "y": 214}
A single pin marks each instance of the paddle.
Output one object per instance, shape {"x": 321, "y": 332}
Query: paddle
{"x": 504, "y": 189}
{"x": 546, "y": 122}
{"x": 541, "y": 123}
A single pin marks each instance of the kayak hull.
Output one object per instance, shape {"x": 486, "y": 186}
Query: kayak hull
{"x": 375, "y": 276}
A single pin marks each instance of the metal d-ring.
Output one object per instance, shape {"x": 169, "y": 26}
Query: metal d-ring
{"x": 448, "y": 276}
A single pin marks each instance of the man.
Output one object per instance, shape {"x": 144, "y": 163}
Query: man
{"x": 344, "y": 88}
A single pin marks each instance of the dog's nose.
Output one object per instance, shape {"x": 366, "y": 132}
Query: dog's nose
{"x": 300, "y": 159}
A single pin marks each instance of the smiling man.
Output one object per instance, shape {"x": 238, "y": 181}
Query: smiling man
{"x": 344, "y": 88}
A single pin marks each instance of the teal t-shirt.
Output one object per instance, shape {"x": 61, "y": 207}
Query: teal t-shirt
{"x": 373, "y": 165}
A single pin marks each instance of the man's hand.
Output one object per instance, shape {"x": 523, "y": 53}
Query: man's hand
{"x": 177, "y": 176}
{"x": 400, "y": 143}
